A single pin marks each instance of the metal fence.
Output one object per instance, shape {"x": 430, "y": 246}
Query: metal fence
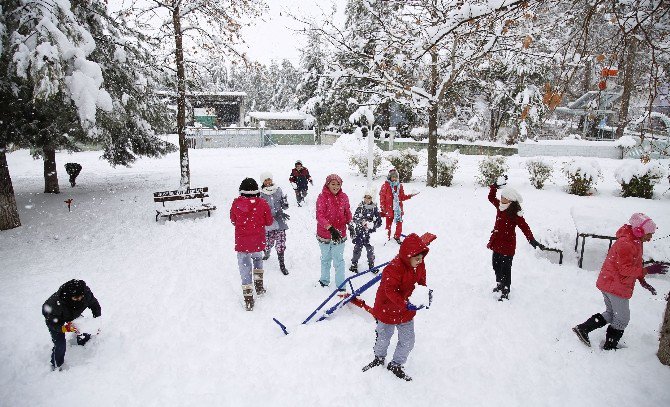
{"x": 246, "y": 137}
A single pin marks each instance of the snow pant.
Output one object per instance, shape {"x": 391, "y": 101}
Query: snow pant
{"x": 277, "y": 237}
{"x": 300, "y": 194}
{"x": 245, "y": 261}
{"x": 358, "y": 249}
{"x": 332, "y": 254}
{"x": 398, "y": 227}
{"x": 502, "y": 266}
{"x": 406, "y": 337}
{"x": 58, "y": 351}
{"x": 617, "y": 311}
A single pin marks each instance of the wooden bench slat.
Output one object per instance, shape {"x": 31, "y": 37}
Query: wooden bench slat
{"x": 177, "y": 195}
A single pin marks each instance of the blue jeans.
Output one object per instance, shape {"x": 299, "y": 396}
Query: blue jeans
{"x": 58, "y": 351}
{"x": 332, "y": 253}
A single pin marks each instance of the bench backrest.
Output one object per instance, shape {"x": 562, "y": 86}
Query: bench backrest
{"x": 179, "y": 195}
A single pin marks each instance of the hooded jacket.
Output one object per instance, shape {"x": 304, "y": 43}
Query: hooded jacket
{"x": 332, "y": 210}
{"x": 398, "y": 281}
{"x": 386, "y": 198}
{"x": 275, "y": 199}
{"x": 300, "y": 177}
{"x": 503, "y": 235}
{"x": 58, "y": 309}
{"x": 250, "y": 215}
{"x": 365, "y": 214}
{"x": 623, "y": 264}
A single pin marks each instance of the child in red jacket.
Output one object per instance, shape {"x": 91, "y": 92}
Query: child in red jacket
{"x": 622, "y": 266}
{"x": 250, "y": 214}
{"x": 503, "y": 235}
{"x": 300, "y": 180}
{"x": 391, "y": 197}
{"x": 392, "y": 308}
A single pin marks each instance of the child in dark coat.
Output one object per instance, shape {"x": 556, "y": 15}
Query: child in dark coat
{"x": 366, "y": 220}
{"x": 300, "y": 180}
{"x": 62, "y": 307}
{"x": 250, "y": 214}
{"x": 503, "y": 235}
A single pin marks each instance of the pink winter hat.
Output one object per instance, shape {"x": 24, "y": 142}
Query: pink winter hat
{"x": 641, "y": 224}
{"x": 333, "y": 177}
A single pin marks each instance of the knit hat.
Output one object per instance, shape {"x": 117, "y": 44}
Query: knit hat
{"x": 642, "y": 224}
{"x": 73, "y": 288}
{"x": 298, "y": 162}
{"x": 511, "y": 194}
{"x": 265, "y": 175}
{"x": 249, "y": 187}
{"x": 392, "y": 171}
{"x": 333, "y": 177}
{"x": 370, "y": 192}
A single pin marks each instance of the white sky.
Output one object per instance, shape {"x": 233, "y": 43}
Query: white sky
{"x": 276, "y": 37}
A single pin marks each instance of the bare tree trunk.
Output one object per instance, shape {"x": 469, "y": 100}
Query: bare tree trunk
{"x": 50, "y": 171}
{"x": 9, "y": 213}
{"x": 586, "y": 86}
{"x": 631, "y": 49}
{"x": 185, "y": 180}
{"x": 664, "y": 343}
{"x": 431, "y": 176}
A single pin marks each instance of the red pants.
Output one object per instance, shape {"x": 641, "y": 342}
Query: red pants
{"x": 398, "y": 228}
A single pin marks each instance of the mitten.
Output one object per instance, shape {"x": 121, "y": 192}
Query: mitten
{"x": 413, "y": 307}
{"x": 657, "y": 268}
{"x": 536, "y": 244}
{"x": 335, "y": 235}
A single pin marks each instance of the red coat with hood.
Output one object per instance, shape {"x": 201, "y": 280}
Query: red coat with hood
{"x": 398, "y": 281}
{"x": 332, "y": 210}
{"x": 386, "y": 199}
{"x": 503, "y": 235}
{"x": 623, "y": 265}
{"x": 250, "y": 215}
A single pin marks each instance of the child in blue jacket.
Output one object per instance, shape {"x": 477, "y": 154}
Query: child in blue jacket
{"x": 365, "y": 221}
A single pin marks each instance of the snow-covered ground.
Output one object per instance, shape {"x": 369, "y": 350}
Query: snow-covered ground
{"x": 174, "y": 331}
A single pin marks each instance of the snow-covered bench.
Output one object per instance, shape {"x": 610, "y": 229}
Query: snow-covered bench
{"x": 595, "y": 223}
{"x": 183, "y": 208}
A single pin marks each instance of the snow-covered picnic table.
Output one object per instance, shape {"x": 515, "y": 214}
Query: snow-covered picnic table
{"x": 596, "y": 223}
{"x": 602, "y": 223}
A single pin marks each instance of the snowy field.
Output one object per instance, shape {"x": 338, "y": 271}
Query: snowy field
{"x": 174, "y": 331}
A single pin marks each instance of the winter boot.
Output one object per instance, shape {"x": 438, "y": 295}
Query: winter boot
{"x": 396, "y": 369}
{"x": 354, "y": 268}
{"x": 504, "y": 294}
{"x": 83, "y": 338}
{"x": 497, "y": 288}
{"x": 371, "y": 266}
{"x": 258, "y": 281}
{"x": 378, "y": 361}
{"x": 282, "y": 266}
{"x": 582, "y": 330}
{"x": 612, "y": 338}
{"x": 266, "y": 254}
{"x": 397, "y": 239}
{"x": 248, "y": 293}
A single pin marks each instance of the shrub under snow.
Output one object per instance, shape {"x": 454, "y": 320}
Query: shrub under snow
{"x": 490, "y": 168}
{"x": 582, "y": 175}
{"x": 404, "y": 161}
{"x": 356, "y": 147}
{"x": 446, "y": 166}
{"x": 638, "y": 179}
{"x": 539, "y": 171}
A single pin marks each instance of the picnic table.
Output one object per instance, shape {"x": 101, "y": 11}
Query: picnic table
{"x": 592, "y": 222}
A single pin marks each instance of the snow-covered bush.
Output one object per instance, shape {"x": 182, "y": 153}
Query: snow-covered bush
{"x": 582, "y": 176}
{"x": 404, "y": 161}
{"x": 446, "y": 166}
{"x": 490, "y": 168}
{"x": 359, "y": 161}
{"x": 638, "y": 179}
{"x": 539, "y": 171}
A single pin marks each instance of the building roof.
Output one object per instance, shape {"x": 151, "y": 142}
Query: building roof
{"x": 227, "y": 93}
{"x": 293, "y": 115}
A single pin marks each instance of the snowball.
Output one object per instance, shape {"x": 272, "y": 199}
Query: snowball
{"x": 420, "y": 296}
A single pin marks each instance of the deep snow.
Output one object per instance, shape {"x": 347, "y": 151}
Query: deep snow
{"x": 174, "y": 331}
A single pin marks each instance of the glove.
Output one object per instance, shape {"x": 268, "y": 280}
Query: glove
{"x": 284, "y": 216}
{"x": 657, "y": 268}
{"x": 311, "y": 182}
{"x": 351, "y": 229}
{"x": 284, "y": 202}
{"x": 335, "y": 235}
{"x": 294, "y": 185}
{"x": 536, "y": 244}
{"x": 647, "y": 286}
{"x": 501, "y": 181}
{"x": 413, "y": 307}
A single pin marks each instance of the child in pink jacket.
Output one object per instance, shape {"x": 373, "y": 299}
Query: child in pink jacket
{"x": 333, "y": 213}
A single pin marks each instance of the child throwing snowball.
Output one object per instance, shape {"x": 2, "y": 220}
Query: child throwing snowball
{"x": 503, "y": 235}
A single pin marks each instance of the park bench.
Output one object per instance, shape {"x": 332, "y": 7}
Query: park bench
{"x": 190, "y": 194}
